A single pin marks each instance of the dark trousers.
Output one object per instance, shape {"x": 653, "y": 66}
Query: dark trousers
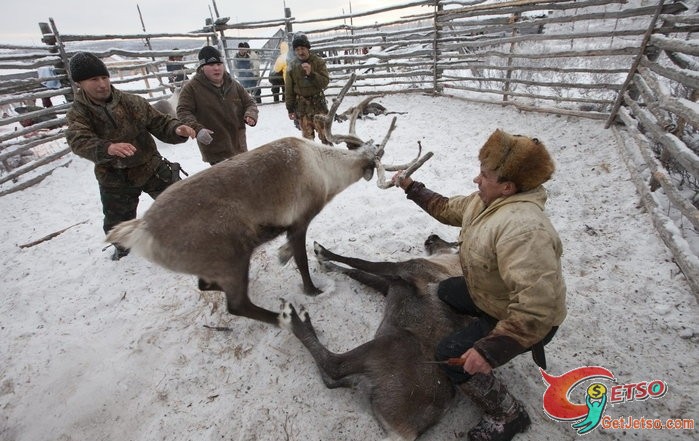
{"x": 454, "y": 292}
{"x": 277, "y": 81}
{"x": 119, "y": 204}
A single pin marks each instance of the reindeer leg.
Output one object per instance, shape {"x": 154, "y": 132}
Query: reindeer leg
{"x": 236, "y": 288}
{"x": 297, "y": 240}
{"x": 379, "y": 283}
{"x": 336, "y": 370}
{"x": 386, "y": 269}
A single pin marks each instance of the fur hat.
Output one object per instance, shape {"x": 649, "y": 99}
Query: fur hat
{"x": 84, "y": 65}
{"x": 300, "y": 40}
{"x": 518, "y": 159}
{"x": 209, "y": 55}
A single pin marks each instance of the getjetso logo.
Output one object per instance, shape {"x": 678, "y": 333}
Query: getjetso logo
{"x": 558, "y": 405}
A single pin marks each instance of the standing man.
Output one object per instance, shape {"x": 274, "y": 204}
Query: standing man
{"x": 247, "y": 69}
{"x": 177, "y": 67}
{"x": 512, "y": 285}
{"x": 115, "y": 130}
{"x": 276, "y": 77}
{"x": 217, "y": 107}
{"x": 304, "y": 84}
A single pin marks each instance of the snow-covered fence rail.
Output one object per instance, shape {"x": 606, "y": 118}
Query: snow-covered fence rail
{"x": 661, "y": 141}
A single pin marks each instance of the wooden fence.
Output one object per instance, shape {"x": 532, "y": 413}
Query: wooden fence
{"x": 619, "y": 61}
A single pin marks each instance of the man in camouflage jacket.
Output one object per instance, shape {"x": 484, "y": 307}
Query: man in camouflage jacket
{"x": 305, "y": 80}
{"x": 115, "y": 130}
{"x": 513, "y": 284}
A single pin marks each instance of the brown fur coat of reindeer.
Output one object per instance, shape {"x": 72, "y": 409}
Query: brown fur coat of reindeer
{"x": 408, "y": 392}
{"x": 209, "y": 224}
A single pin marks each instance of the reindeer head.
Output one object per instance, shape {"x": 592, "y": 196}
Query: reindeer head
{"x": 374, "y": 151}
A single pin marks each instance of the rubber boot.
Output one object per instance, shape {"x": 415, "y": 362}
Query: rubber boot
{"x": 503, "y": 417}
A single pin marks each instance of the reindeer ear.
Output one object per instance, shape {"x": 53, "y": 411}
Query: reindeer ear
{"x": 369, "y": 173}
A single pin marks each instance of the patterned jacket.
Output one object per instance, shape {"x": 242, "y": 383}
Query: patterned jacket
{"x": 511, "y": 259}
{"x": 219, "y": 109}
{"x": 304, "y": 94}
{"x": 126, "y": 118}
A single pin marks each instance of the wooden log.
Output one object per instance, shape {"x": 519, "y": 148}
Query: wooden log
{"x": 685, "y": 260}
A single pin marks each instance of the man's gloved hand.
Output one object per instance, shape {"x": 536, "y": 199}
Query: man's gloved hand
{"x": 204, "y": 136}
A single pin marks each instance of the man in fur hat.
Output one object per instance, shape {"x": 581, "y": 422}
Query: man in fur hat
{"x": 305, "y": 81}
{"x": 217, "y": 107}
{"x": 115, "y": 130}
{"x": 513, "y": 285}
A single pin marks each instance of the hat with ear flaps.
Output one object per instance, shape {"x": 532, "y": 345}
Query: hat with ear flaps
{"x": 519, "y": 159}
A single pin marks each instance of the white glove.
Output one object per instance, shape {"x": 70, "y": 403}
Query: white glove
{"x": 204, "y": 136}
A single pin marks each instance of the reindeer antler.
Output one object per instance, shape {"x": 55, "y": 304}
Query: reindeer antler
{"x": 354, "y": 141}
{"x": 408, "y": 169}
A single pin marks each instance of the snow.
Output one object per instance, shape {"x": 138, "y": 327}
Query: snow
{"x": 93, "y": 349}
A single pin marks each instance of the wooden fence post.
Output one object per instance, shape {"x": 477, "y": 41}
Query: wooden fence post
{"x": 64, "y": 58}
{"x": 436, "y": 70}
{"x": 508, "y": 74}
{"x": 634, "y": 66}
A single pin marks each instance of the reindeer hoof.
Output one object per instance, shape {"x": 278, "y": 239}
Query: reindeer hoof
{"x": 289, "y": 318}
{"x": 319, "y": 251}
{"x": 312, "y": 291}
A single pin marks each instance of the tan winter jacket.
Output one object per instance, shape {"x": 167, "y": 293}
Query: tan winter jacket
{"x": 126, "y": 118}
{"x": 511, "y": 258}
{"x": 220, "y": 109}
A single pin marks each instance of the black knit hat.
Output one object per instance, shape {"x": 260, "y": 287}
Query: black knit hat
{"x": 85, "y": 65}
{"x": 209, "y": 55}
{"x": 300, "y": 40}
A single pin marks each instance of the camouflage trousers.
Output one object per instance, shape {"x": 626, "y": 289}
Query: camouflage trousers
{"x": 311, "y": 124}
{"x": 119, "y": 204}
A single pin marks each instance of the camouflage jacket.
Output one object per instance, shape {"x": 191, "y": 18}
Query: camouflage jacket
{"x": 511, "y": 259}
{"x": 126, "y": 118}
{"x": 305, "y": 95}
{"x": 219, "y": 109}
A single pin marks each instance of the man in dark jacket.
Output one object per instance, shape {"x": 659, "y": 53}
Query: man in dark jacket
{"x": 247, "y": 67}
{"x": 304, "y": 83}
{"x": 115, "y": 130}
{"x": 217, "y": 107}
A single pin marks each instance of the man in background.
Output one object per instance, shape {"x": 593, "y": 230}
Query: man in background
{"x": 304, "y": 84}
{"x": 247, "y": 69}
{"x": 217, "y": 107}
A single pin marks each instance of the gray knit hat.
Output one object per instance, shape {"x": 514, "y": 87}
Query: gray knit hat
{"x": 84, "y": 65}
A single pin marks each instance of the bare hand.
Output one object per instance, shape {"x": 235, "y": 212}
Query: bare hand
{"x": 187, "y": 131}
{"x": 400, "y": 180}
{"x": 306, "y": 68}
{"x": 475, "y": 363}
{"x": 121, "y": 149}
{"x": 250, "y": 121}
{"x": 292, "y": 116}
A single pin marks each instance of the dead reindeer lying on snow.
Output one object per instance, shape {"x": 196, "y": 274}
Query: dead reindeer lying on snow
{"x": 366, "y": 108}
{"x": 408, "y": 392}
{"x": 210, "y": 223}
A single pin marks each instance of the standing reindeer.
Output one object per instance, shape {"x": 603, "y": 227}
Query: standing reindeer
{"x": 210, "y": 223}
{"x": 409, "y": 392}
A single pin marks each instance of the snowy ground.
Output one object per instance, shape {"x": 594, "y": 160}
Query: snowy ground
{"x": 98, "y": 350}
